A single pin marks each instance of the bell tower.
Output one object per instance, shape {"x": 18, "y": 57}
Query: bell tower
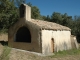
{"x": 25, "y": 11}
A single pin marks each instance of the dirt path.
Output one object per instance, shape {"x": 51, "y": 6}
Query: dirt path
{"x": 23, "y": 55}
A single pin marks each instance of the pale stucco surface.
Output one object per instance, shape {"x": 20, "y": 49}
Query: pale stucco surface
{"x": 61, "y": 40}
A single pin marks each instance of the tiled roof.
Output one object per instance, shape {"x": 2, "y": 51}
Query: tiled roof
{"x": 49, "y": 25}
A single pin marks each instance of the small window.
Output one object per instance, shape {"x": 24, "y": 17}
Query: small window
{"x": 22, "y": 10}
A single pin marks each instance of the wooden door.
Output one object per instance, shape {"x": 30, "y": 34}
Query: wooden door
{"x": 52, "y": 45}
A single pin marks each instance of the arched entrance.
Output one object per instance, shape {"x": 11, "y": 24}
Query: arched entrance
{"x": 23, "y": 35}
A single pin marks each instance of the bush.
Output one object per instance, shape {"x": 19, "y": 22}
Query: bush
{"x": 5, "y": 53}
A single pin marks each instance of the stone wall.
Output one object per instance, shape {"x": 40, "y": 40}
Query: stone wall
{"x": 74, "y": 42}
{"x": 3, "y": 37}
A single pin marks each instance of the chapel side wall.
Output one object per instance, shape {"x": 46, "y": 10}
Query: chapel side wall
{"x": 46, "y": 41}
{"x": 61, "y": 40}
{"x": 35, "y": 38}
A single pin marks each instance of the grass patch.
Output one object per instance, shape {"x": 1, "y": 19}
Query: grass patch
{"x": 66, "y": 53}
{"x": 5, "y": 53}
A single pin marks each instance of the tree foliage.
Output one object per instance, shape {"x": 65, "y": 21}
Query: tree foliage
{"x": 76, "y": 27}
{"x": 19, "y": 2}
{"x": 35, "y": 13}
{"x": 9, "y": 14}
{"x": 65, "y": 20}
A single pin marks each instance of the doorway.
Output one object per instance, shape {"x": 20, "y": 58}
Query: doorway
{"x": 52, "y": 44}
{"x": 23, "y": 35}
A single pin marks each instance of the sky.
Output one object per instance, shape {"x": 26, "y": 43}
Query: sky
{"x": 47, "y": 7}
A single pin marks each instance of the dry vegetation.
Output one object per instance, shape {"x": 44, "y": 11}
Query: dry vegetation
{"x": 7, "y": 53}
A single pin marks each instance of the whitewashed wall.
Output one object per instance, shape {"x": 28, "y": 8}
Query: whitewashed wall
{"x": 61, "y": 40}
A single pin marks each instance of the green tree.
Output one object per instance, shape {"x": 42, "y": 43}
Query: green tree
{"x": 67, "y": 20}
{"x": 76, "y": 28}
{"x": 56, "y": 17}
{"x": 8, "y": 13}
{"x": 19, "y": 2}
{"x": 46, "y": 18}
{"x": 35, "y": 13}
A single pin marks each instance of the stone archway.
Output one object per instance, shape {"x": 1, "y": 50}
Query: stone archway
{"x": 23, "y": 35}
